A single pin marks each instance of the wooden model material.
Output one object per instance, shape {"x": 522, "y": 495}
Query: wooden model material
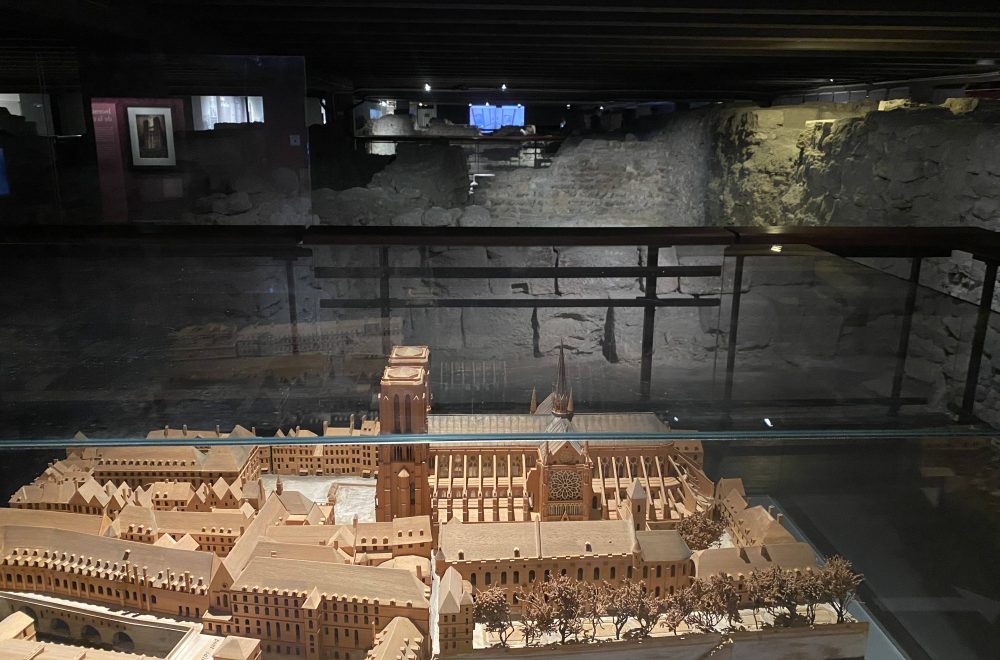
{"x": 189, "y": 532}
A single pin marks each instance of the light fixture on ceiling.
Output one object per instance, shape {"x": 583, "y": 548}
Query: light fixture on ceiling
{"x": 568, "y": 106}
{"x": 601, "y": 108}
{"x": 767, "y": 420}
{"x": 831, "y": 79}
{"x": 775, "y": 248}
{"x": 503, "y": 87}
{"x": 427, "y": 87}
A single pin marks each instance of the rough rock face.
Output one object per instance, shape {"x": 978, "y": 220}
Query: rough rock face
{"x": 853, "y": 165}
{"x": 421, "y": 187}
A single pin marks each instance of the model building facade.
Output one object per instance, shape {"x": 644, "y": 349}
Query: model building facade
{"x": 514, "y": 481}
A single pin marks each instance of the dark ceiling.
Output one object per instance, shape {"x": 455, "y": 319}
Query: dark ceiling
{"x": 552, "y": 50}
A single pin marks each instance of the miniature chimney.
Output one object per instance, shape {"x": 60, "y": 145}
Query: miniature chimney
{"x": 351, "y": 421}
{"x": 780, "y": 518}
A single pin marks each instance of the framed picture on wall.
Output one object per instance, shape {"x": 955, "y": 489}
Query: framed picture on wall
{"x": 151, "y": 132}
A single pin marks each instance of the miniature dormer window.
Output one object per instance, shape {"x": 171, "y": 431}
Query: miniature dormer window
{"x": 588, "y": 547}
{"x": 461, "y": 555}
{"x": 517, "y": 552}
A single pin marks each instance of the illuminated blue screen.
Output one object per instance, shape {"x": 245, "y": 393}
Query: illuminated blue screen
{"x": 492, "y": 117}
{"x": 4, "y": 184}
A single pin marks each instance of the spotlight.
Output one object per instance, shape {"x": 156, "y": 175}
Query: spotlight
{"x": 831, "y": 79}
{"x": 775, "y": 248}
{"x": 427, "y": 87}
{"x": 568, "y": 106}
{"x": 503, "y": 87}
{"x": 601, "y": 108}
{"x": 767, "y": 420}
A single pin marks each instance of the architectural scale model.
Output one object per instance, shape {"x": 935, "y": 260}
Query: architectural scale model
{"x": 169, "y": 549}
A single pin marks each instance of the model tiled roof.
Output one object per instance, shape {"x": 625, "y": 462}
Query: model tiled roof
{"x": 178, "y": 523}
{"x": 85, "y": 493}
{"x": 236, "y": 648}
{"x": 64, "y": 550}
{"x": 582, "y": 423}
{"x": 491, "y": 541}
{"x": 174, "y": 491}
{"x": 636, "y": 491}
{"x": 270, "y": 514}
{"x": 335, "y": 580}
{"x": 400, "y": 640}
{"x": 741, "y": 561}
{"x": 218, "y": 458}
{"x": 22, "y": 649}
{"x": 451, "y": 594}
{"x": 662, "y": 545}
{"x": 763, "y": 528}
{"x": 300, "y": 551}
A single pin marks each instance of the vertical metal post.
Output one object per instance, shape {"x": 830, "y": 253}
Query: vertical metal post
{"x": 293, "y": 311}
{"x": 979, "y": 339}
{"x": 648, "y": 324}
{"x": 734, "y": 326}
{"x": 904, "y": 335}
{"x": 383, "y": 278}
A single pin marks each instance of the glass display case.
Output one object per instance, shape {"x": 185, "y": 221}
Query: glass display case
{"x": 346, "y": 443}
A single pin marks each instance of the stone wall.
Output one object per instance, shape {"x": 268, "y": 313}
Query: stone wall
{"x": 656, "y": 179}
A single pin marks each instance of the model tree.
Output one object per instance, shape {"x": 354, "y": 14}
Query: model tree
{"x": 596, "y": 598}
{"x": 699, "y": 530}
{"x": 493, "y": 611}
{"x": 648, "y": 611}
{"x": 708, "y": 604}
{"x": 778, "y": 590}
{"x": 811, "y": 593}
{"x": 757, "y": 590}
{"x": 566, "y": 600}
{"x": 840, "y": 584}
{"x": 623, "y": 603}
{"x": 537, "y": 615}
{"x": 677, "y": 607}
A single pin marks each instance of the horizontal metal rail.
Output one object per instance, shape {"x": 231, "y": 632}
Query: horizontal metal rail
{"x": 376, "y": 303}
{"x": 556, "y": 272}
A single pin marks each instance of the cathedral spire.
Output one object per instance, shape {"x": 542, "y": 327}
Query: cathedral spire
{"x": 561, "y": 406}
